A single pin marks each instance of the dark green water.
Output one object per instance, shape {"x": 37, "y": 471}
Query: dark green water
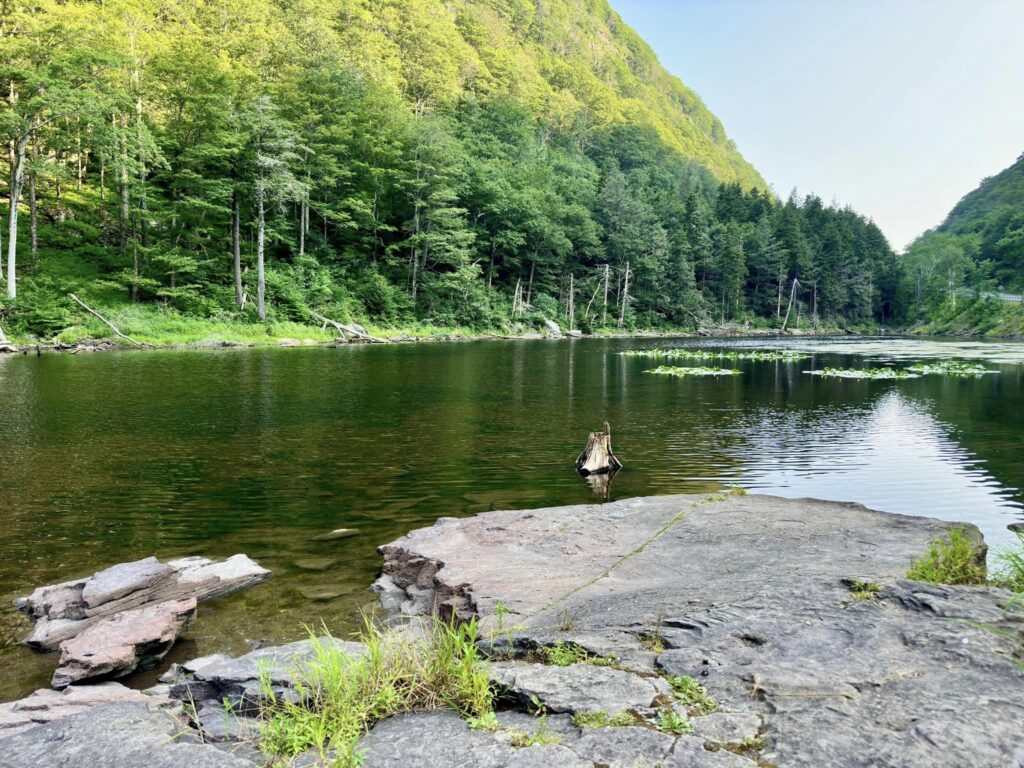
{"x": 114, "y": 457}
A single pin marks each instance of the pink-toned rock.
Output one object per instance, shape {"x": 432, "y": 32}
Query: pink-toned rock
{"x": 118, "y": 645}
{"x": 62, "y": 611}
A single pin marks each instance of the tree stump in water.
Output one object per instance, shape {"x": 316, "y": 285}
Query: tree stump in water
{"x": 597, "y": 457}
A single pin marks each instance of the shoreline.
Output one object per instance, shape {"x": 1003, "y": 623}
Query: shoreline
{"x": 112, "y": 344}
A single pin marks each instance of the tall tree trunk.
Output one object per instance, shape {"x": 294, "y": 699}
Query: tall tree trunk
{"x": 778, "y": 301}
{"x": 604, "y": 314}
{"x": 261, "y": 234}
{"x": 236, "y": 247}
{"x": 529, "y": 286}
{"x": 625, "y": 297}
{"x": 32, "y": 215}
{"x": 17, "y": 183}
{"x": 302, "y": 226}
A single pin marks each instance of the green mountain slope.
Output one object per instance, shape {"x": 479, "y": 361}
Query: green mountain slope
{"x": 993, "y": 217}
{"x": 957, "y": 272}
{"x": 573, "y": 61}
{"x": 193, "y": 168}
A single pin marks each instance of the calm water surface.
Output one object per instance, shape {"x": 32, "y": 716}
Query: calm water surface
{"x": 114, "y": 457}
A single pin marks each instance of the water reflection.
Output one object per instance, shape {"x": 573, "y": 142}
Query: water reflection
{"x": 892, "y": 455}
{"x": 113, "y": 457}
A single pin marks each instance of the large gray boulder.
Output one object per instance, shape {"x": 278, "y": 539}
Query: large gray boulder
{"x": 123, "y": 735}
{"x": 750, "y": 594}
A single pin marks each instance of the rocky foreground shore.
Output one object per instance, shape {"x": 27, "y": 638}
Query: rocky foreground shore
{"x": 795, "y": 616}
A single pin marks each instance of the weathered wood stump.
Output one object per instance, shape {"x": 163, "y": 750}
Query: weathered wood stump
{"x": 597, "y": 458}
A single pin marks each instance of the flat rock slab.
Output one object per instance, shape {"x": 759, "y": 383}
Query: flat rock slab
{"x": 726, "y": 727}
{"x": 750, "y": 594}
{"x": 431, "y": 740}
{"x": 123, "y": 735}
{"x": 577, "y": 688}
{"x": 117, "y": 645}
{"x": 46, "y": 706}
{"x": 62, "y": 611}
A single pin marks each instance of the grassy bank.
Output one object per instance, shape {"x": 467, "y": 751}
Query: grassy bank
{"x": 161, "y": 326}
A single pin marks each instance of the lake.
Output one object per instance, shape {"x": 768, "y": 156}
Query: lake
{"x": 114, "y": 457}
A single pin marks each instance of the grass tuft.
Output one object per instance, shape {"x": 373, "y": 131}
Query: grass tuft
{"x": 341, "y": 696}
{"x": 950, "y": 560}
{"x": 1010, "y": 566}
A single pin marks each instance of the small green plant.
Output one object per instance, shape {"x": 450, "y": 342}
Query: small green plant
{"x": 674, "y": 722}
{"x": 950, "y": 560}
{"x": 1010, "y": 566}
{"x": 543, "y": 735}
{"x": 864, "y": 590}
{"x": 563, "y": 654}
{"x": 654, "y": 641}
{"x": 603, "y": 720}
{"x": 567, "y": 623}
{"x": 488, "y": 721}
{"x": 691, "y": 693}
{"x": 502, "y": 611}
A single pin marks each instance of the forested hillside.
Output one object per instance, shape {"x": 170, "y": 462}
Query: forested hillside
{"x": 957, "y": 272}
{"x": 471, "y": 163}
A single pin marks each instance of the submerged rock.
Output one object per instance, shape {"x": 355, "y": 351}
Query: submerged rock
{"x": 337, "y": 533}
{"x": 750, "y": 594}
{"x": 118, "y": 645}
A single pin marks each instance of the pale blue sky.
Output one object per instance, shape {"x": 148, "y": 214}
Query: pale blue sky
{"x": 896, "y": 107}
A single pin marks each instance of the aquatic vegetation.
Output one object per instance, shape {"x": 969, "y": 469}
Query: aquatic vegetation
{"x": 757, "y": 355}
{"x": 341, "y": 695}
{"x": 671, "y": 370}
{"x": 950, "y": 560}
{"x": 951, "y": 368}
{"x": 882, "y": 374}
